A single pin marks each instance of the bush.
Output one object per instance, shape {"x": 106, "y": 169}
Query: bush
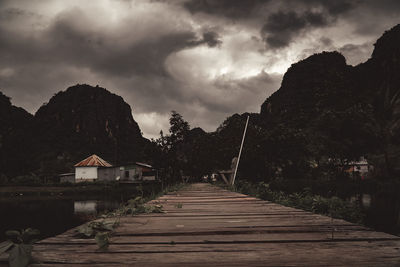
{"x": 306, "y": 200}
{"x": 26, "y": 180}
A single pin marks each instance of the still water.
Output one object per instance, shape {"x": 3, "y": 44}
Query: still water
{"x": 52, "y": 216}
{"x": 382, "y": 212}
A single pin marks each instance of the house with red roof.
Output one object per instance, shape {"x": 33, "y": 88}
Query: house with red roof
{"x": 93, "y": 168}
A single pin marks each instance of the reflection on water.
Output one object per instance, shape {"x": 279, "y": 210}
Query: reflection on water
{"x": 85, "y": 207}
{"x": 382, "y": 211}
{"x": 93, "y": 207}
{"x": 364, "y": 200}
{"x": 51, "y": 216}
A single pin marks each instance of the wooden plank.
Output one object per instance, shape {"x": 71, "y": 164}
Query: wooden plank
{"x": 292, "y": 254}
{"x": 223, "y": 228}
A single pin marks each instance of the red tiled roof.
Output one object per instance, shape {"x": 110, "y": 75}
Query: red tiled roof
{"x": 94, "y": 161}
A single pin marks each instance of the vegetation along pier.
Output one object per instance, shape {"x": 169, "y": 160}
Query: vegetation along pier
{"x": 207, "y": 225}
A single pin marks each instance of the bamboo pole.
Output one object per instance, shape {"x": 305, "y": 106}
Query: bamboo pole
{"x": 240, "y": 151}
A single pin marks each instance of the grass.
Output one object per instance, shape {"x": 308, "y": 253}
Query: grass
{"x": 332, "y": 206}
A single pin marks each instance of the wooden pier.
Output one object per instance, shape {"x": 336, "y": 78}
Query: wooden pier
{"x": 204, "y": 225}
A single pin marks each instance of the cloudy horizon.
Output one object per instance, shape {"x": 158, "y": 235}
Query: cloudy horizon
{"x": 206, "y": 59}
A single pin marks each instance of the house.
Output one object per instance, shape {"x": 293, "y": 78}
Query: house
{"x": 138, "y": 172}
{"x": 361, "y": 167}
{"x": 93, "y": 168}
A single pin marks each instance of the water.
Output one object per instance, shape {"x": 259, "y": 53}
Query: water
{"x": 51, "y": 215}
{"x": 382, "y": 211}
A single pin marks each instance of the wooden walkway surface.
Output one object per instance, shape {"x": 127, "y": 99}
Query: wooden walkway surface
{"x": 216, "y": 227}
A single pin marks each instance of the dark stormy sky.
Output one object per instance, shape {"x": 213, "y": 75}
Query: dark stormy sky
{"x": 206, "y": 59}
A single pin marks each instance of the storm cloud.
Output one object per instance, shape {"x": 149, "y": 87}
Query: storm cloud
{"x": 229, "y": 8}
{"x": 281, "y": 27}
{"x": 206, "y": 59}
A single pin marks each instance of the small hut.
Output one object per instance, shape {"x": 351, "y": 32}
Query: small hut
{"x": 88, "y": 169}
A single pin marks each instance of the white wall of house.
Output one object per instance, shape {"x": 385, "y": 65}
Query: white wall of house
{"x": 85, "y": 173}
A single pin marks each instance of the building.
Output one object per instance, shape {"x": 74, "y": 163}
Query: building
{"x": 360, "y": 167}
{"x": 138, "y": 172}
{"x": 93, "y": 168}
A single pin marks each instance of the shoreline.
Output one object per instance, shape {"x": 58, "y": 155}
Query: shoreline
{"x": 20, "y": 191}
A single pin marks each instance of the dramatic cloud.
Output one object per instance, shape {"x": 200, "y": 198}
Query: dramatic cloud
{"x": 281, "y": 27}
{"x": 207, "y": 59}
{"x": 229, "y": 8}
{"x": 353, "y": 52}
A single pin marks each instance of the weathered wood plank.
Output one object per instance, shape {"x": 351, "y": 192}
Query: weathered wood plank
{"x": 292, "y": 254}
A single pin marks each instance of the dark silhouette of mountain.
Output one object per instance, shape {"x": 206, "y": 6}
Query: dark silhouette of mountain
{"x": 84, "y": 120}
{"x": 327, "y": 109}
{"x": 324, "y": 82}
{"x": 320, "y": 82}
{"x": 16, "y": 135}
{"x": 74, "y": 124}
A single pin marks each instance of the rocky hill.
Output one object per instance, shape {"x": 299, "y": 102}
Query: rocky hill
{"x": 17, "y": 139}
{"x": 320, "y": 82}
{"x": 84, "y": 120}
{"x": 324, "y": 82}
{"x": 74, "y": 124}
{"x": 326, "y": 109}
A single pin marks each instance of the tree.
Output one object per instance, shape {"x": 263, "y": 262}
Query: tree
{"x": 172, "y": 147}
{"x": 178, "y": 127}
{"x": 387, "y": 116}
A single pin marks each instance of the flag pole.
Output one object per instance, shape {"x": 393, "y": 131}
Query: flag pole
{"x": 240, "y": 151}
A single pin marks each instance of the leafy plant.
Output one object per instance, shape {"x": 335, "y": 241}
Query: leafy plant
{"x": 19, "y": 246}
{"x": 137, "y": 206}
{"x": 102, "y": 240}
{"x": 100, "y": 230}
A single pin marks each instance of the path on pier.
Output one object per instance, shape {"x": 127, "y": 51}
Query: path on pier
{"x": 204, "y": 225}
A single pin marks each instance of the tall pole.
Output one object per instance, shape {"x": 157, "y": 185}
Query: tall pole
{"x": 240, "y": 151}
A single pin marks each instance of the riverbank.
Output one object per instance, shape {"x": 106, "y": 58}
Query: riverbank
{"x": 12, "y": 191}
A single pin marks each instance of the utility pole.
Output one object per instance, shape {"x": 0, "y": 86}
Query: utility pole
{"x": 240, "y": 151}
